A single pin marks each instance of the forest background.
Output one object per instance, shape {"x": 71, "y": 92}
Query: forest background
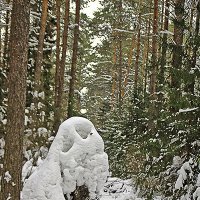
{"x": 132, "y": 68}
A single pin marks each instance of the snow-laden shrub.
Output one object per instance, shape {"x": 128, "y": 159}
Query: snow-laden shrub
{"x": 76, "y": 157}
{"x": 184, "y": 172}
{"x": 181, "y": 180}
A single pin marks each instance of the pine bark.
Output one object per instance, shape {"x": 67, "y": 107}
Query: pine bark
{"x": 60, "y": 63}
{"x": 130, "y": 59}
{"x": 5, "y": 50}
{"x": 148, "y": 51}
{"x": 177, "y": 53}
{"x": 137, "y": 53}
{"x": 120, "y": 57}
{"x": 74, "y": 61}
{"x": 58, "y": 6}
{"x": 114, "y": 76}
{"x": 164, "y": 45}
{"x": 191, "y": 86}
{"x": 39, "y": 57}
{"x": 154, "y": 68}
{"x": 178, "y": 39}
{"x": 16, "y": 99}
{"x": 154, "y": 50}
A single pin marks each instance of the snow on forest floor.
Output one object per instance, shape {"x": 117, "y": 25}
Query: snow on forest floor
{"x": 118, "y": 189}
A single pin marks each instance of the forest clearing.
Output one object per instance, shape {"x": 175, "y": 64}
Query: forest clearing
{"x": 100, "y": 100}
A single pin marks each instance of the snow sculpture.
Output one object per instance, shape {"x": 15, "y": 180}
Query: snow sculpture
{"x": 76, "y": 157}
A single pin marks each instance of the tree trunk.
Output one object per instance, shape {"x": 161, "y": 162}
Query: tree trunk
{"x": 74, "y": 61}
{"x": 164, "y": 47}
{"x": 178, "y": 39}
{"x": 58, "y": 5}
{"x": 137, "y": 53}
{"x": 177, "y": 54}
{"x": 120, "y": 57}
{"x": 114, "y": 77}
{"x": 39, "y": 57}
{"x": 11, "y": 178}
{"x": 154, "y": 68}
{"x": 130, "y": 58}
{"x": 60, "y": 64}
{"x": 195, "y": 49}
{"x": 5, "y": 50}
{"x": 144, "y": 60}
{"x": 147, "y": 56}
{"x": 154, "y": 50}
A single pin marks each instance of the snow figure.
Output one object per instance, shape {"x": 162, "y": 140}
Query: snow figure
{"x": 76, "y": 157}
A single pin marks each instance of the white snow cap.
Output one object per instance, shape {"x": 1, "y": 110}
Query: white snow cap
{"x": 76, "y": 157}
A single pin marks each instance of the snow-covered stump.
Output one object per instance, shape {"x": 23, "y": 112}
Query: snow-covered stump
{"x": 76, "y": 158}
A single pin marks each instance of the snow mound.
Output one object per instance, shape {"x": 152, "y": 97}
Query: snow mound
{"x": 76, "y": 157}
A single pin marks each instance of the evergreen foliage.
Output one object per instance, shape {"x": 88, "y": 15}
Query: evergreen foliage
{"x": 151, "y": 137}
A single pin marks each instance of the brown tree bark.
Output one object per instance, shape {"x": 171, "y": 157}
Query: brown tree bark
{"x": 39, "y": 57}
{"x": 178, "y": 39}
{"x": 16, "y": 100}
{"x": 177, "y": 53}
{"x": 154, "y": 68}
{"x": 74, "y": 61}
{"x": 120, "y": 56}
{"x": 148, "y": 52}
{"x": 137, "y": 52}
{"x": 114, "y": 76}
{"x": 5, "y": 50}
{"x": 144, "y": 61}
{"x": 60, "y": 63}
{"x": 58, "y": 6}
{"x": 164, "y": 46}
{"x": 130, "y": 59}
{"x": 191, "y": 86}
{"x": 154, "y": 50}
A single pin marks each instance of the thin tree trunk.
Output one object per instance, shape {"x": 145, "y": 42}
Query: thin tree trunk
{"x": 120, "y": 56}
{"x": 147, "y": 56}
{"x": 16, "y": 100}
{"x": 195, "y": 50}
{"x": 130, "y": 59}
{"x": 144, "y": 59}
{"x": 161, "y": 23}
{"x": 137, "y": 53}
{"x": 178, "y": 39}
{"x": 114, "y": 77}
{"x": 39, "y": 57}
{"x": 38, "y": 63}
{"x": 154, "y": 68}
{"x": 58, "y": 5}
{"x": 74, "y": 61}
{"x": 191, "y": 30}
{"x": 60, "y": 64}
{"x": 154, "y": 50}
{"x": 177, "y": 53}
{"x": 164, "y": 46}
{"x": 120, "y": 72}
{"x": 5, "y": 50}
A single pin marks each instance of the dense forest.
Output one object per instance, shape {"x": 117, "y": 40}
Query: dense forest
{"x": 132, "y": 67}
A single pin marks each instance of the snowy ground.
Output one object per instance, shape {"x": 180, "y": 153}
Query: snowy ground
{"x": 118, "y": 189}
